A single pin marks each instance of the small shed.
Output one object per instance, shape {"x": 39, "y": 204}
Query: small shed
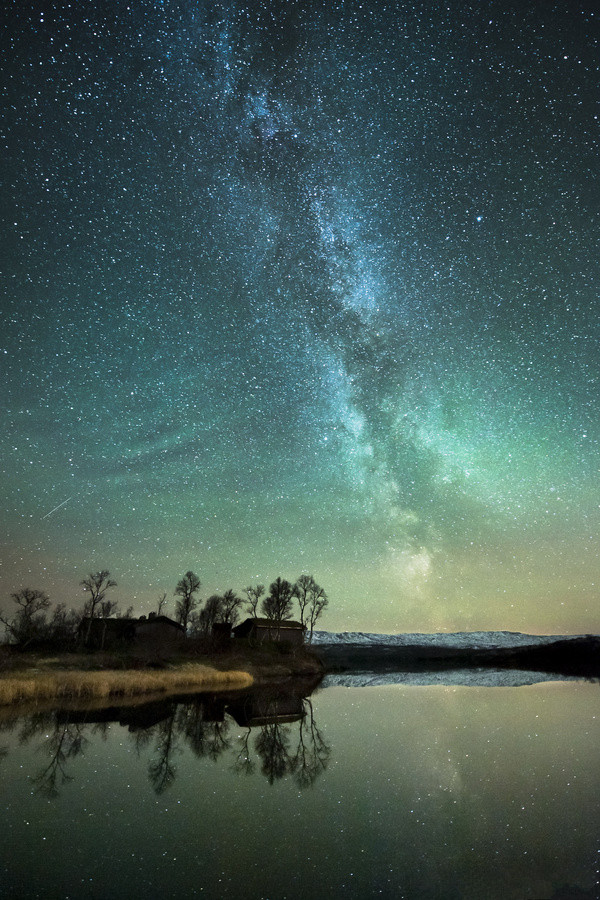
{"x": 158, "y": 630}
{"x": 102, "y": 633}
{"x": 221, "y": 632}
{"x": 154, "y": 630}
{"x": 259, "y": 630}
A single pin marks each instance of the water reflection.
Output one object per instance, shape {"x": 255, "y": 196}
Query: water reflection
{"x": 280, "y": 736}
{"x": 65, "y": 743}
{"x": 434, "y": 792}
{"x": 473, "y": 676}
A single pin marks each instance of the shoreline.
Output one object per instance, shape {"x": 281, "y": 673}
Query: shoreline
{"x": 579, "y": 656}
{"x": 111, "y": 684}
{"x": 29, "y": 678}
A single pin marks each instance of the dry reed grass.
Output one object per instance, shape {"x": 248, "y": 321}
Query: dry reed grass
{"x": 36, "y": 686}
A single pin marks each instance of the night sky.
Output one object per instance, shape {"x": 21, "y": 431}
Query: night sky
{"x": 304, "y": 287}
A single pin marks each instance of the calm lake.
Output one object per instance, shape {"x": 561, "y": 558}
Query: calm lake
{"x": 395, "y": 791}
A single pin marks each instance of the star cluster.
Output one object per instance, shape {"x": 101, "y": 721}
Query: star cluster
{"x": 305, "y": 286}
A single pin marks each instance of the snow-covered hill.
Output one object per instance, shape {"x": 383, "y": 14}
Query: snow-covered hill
{"x": 476, "y": 640}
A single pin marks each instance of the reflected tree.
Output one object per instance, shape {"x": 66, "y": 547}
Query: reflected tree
{"x": 218, "y": 742}
{"x": 161, "y": 769}
{"x": 142, "y": 738}
{"x": 65, "y": 743}
{"x": 100, "y": 729}
{"x": 191, "y": 724}
{"x": 272, "y": 748}
{"x": 159, "y": 732}
{"x": 203, "y": 736}
{"x": 243, "y": 763}
{"x": 312, "y": 753}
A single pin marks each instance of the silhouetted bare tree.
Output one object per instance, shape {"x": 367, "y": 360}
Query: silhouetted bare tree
{"x": 29, "y": 621}
{"x": 186, "y": 588}
{"x": 278, "y": 605}
{"x": 218, "y": 608}
{"x": 231, "y": 605}
{"x": 63, "y": 624}
{"x": 96, "y": 584}
{"x": 312, "y": 600}
{"x": 211, "y": 612}
{"x": 107, "y": 608}
{"x": 254, "y": 594}
{"x": 126, "y": 614}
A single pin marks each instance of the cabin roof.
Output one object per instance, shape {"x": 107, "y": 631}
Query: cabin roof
{"x": 123, "y": 621}
{"x": 152, "y": 620}
{"x": 280, "y": 625}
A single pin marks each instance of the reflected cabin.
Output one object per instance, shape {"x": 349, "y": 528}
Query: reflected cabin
{"x": 259, "y": 630}
{"x": 155, "y": 630}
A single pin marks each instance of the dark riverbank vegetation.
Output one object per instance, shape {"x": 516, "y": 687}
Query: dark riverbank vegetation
{"x": 31, "y": 622}
{"x": 99, "y": 652}
{"x": 42, "y": 674}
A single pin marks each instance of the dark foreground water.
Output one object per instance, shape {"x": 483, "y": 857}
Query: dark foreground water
{"x": 390, "y": 791}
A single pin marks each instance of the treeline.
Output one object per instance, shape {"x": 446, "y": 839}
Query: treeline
{"x": 278, "y": 605}
{"x": 32, "y": 621}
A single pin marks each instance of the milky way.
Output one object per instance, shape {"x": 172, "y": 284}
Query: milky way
{"x": 305, "y": 287}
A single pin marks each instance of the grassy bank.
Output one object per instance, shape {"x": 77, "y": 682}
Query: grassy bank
{"x": 35, "y": 677}
{"x": 40, "y": 684}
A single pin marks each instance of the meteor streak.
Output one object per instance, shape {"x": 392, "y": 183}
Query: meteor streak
{"x": 57, "y": 507}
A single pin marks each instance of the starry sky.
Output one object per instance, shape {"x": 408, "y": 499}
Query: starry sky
{"x": 304, "y": 287}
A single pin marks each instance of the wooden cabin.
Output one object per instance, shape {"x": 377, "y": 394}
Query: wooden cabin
{"x": 260, "y": 630}
{"x": 156, "y": 631}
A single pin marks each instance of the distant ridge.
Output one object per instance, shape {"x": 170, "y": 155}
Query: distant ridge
{"x": 357, "y": 652}
{"x": 477, "y": 640}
